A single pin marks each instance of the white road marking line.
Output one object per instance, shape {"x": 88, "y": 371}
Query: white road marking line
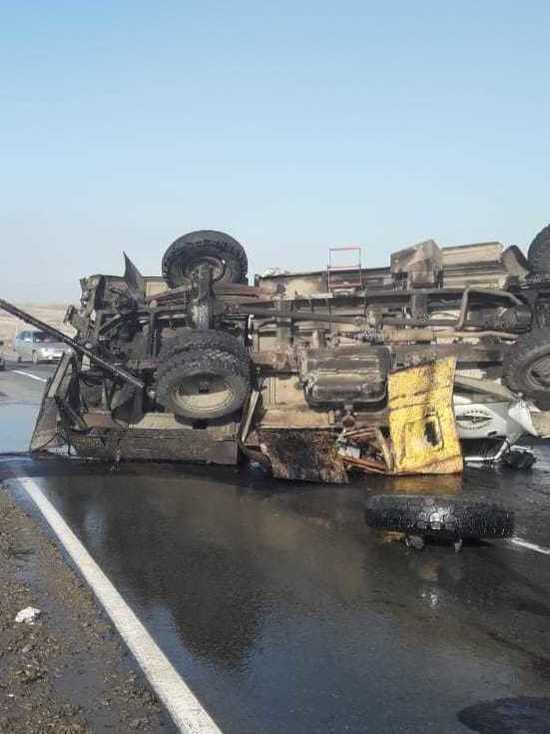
{"x": 186, "y": 711}
{"x": 29, "y": 374}
{"x": 530, "y": 546}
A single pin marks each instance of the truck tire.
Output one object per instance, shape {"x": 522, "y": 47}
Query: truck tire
{"x": 226, "y": 256}
{"x": 526, "y": 367}
{"x": 203, "y": 385}
{"x": 538, "y": 255}
{"x": 454, "y": 517}
{"x": 188, "y": 340}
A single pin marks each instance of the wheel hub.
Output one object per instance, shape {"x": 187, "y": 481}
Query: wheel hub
{"x": 201, "y": 392}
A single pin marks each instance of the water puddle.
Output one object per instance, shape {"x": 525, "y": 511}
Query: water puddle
{"x": 16, "y": 424}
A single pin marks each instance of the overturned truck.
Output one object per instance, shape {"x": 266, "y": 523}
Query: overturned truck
{"x": 441, "y": 356}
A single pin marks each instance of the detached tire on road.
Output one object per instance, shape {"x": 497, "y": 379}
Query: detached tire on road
{"x": 223, "y": 253}
{"x": 203, "y": 385}
{"x": 527, "y": 367}
{"x": 454, "y": 517}
{"x": 538, "y": 255}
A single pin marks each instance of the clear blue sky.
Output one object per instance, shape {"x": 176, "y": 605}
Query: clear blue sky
{"x": 293, "y": 126}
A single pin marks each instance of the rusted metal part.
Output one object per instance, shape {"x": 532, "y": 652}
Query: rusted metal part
{"x": 368, "y": 465}
{"x": 428, "y": 334}
{"x": 305, "y": 455}
{"x": 420, "y": 265}
{"x": 423, "y": 434}
{"x": 423, "y": 323}
{"x": 101, "y": 419}
{"x": 460, "y": 323}
{"x": 464, "y": 353}
{"x": 234, "y": 291}
{"x": 278, "y": 360}
{"x": 316, "y": 359}
{"x": 154, "y": 445}
{"x": 240, "y": 290}
{"x": 368, "y": 438}
{"x": 480, "y": 263}
{"x": 254, "y": 454}
{"x": 79, "y": 348}
{"x": 491, "y": 292}
{"x": 134, "y": 279}
{"x": 374, "y": 436}
{"x": 294, "y": 417}
{"x": 45, "y": 433}
{"x": 253, "y": 402}
{"x": 342, "y": 388}
{"x": 349, "y": 376}
{"x": 288, "y": 360}
{"x": 173, "y": 294}
{"x": 292, "y": 314}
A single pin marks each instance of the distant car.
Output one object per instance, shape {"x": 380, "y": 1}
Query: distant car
{"x": 38, "y": 346}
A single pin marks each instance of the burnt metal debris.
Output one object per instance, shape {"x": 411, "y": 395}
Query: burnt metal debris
{"x": 80, "y": 349}
{"x": 293, "y": 371}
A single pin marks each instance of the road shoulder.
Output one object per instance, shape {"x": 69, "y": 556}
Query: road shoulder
{"x": 69, "y": 671}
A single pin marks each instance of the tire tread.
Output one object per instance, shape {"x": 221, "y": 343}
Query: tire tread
{"x": 192, "y": 244}
{"x": 538, "y": 255}
{"x": 217, "y": 360}
{"x": 527, "y": 347}
{"x": 466, "y": 517}
{"x": 187, "y": 340}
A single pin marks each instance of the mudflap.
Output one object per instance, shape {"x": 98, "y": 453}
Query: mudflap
{"x": 308, "y": 455}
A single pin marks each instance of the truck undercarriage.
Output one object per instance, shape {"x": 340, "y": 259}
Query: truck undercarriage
{"x": 307, "y": 373}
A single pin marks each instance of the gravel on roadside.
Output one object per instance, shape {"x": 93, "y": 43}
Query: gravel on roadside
{"x": 69, "y": 672}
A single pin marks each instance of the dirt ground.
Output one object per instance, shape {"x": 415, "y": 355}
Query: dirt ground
{"x": 52, "y": 314}
{"x": 68, "y": 673}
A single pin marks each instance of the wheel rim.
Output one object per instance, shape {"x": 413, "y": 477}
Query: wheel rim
{"x": 216, "y": 264}
{"x": 202, "y": 393}
{"x": 538, "y": 373}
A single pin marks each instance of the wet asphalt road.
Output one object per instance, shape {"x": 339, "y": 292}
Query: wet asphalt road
{"x": 284, "y": 613}
{"x": 20, "y": 395}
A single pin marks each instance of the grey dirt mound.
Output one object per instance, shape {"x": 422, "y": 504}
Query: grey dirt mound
{"x": 68, "y": 673}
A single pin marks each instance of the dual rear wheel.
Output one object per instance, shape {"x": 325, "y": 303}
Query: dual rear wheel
{"x": 207, "y": 377}
{"x": 204, "y": 375}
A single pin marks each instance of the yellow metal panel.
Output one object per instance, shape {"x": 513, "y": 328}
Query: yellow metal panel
{"x": 421, "y": 419}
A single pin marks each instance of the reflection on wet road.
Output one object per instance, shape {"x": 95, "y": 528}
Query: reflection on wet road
{"x": 284, "y": 613}
{"x": 285, "y": 616}
{"x": 21, "y": 388}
